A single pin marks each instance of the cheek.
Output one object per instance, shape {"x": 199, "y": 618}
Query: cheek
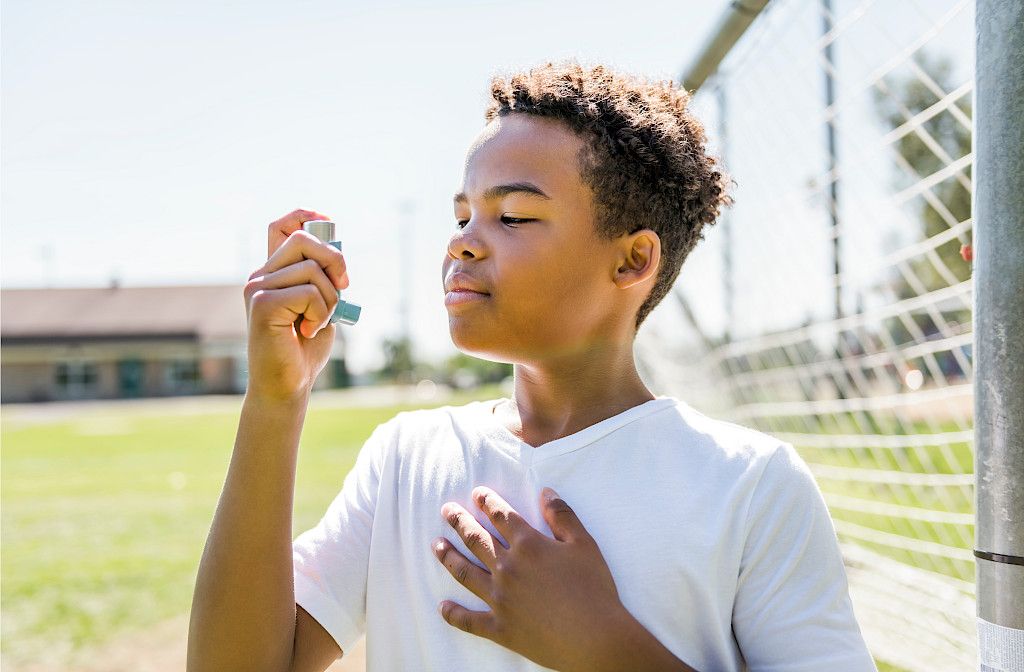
{"x": 539, "y": 278}
{"x": 572, "y": 274}
{"x": 552, "y": 290}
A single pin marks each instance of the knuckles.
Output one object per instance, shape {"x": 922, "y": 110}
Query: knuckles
{"x": 454, "y": 564}
{"x": 564, "y": 513}
{"x": 255, "y": 296}
{"x": 462, "y": 572}
{"x": 474, "y": 540}
{"x": 312, "y": 264}
{"x": 507, "y": 518}
{"x": 250, "y": 289}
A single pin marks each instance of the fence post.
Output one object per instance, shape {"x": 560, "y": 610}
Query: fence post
{"x": 732, "y": 23}
{"x": 998, "y": 215}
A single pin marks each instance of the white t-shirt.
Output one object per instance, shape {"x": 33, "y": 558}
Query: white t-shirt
{"x": 717, "y": 537}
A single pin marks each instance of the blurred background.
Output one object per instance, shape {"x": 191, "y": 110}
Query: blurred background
{"x": 147, "y": 146}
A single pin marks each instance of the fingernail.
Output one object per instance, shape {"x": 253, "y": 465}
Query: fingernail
{"x": 549, "y": 494}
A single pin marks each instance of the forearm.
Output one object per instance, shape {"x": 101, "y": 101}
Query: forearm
{"x": 635, "y": 649}
{"x": 243, "y": 607}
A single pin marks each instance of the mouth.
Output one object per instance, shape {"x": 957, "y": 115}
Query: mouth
{"x": 460, "y": 297}
{"x": 461, "y": 281}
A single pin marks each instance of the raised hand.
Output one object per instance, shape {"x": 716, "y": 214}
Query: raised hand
{"x": 301, "y": 278}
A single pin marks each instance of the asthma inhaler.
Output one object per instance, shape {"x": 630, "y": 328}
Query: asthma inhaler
{"x": 346, "y": 313}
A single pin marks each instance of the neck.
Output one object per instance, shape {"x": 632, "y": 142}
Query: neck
{"x": 559, "y": 398}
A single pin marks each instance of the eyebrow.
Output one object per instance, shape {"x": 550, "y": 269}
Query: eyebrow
{"x": 501, "y": 190}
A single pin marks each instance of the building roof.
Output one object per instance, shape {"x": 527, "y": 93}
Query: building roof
{"x": 205, "y": 312}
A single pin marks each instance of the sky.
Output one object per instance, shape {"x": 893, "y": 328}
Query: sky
{"x": 153, "y": 142}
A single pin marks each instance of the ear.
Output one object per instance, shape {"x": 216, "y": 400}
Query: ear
{"x": 639, "y": 258}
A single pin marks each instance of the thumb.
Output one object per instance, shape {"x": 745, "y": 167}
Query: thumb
{"x": 560, "y": 517}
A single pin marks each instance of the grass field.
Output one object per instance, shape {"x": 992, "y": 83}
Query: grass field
{"x": 105, "y": 516}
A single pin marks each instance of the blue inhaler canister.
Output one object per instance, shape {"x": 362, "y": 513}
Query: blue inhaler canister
{"x": 346, "y": 313}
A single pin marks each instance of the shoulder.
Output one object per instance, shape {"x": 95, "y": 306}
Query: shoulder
{"x": 766, "y": 473}
{"x": 410, "y": 433}
{"x": 730, "y": 441}
{"x": 420, "y": 420}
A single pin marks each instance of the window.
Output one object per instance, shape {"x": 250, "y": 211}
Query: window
{"x": 183, "y": 375}
{"x": 76, "y": 380}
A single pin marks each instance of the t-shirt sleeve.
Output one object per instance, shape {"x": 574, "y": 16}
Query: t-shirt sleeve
{"x": 792, "y": 611}
{"x": 330, "y": 560}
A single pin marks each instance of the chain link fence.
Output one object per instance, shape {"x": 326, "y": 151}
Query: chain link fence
{"x": 831, "y": 306}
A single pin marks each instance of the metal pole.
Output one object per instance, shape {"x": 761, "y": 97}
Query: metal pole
{"x": 833, "y": 185}
{"x": 731, "y": 25}
{"x": 830, "y": 130}
{"x": 998, "y": 215}
{"x": 727, "y": 270}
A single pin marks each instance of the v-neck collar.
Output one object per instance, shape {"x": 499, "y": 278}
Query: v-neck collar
{"x": 482, "y": 412}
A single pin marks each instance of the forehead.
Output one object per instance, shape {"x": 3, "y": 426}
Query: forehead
{"x": 524, "y": 148}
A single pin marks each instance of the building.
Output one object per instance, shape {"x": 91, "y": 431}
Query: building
{"x": 121, "y": 342}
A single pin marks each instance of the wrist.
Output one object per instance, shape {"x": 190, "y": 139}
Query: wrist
{"x": 634, "y": 648}
{"x": 298, "y": 398}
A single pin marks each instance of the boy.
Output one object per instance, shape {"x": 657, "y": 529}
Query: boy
{"x": 674, "y": 541}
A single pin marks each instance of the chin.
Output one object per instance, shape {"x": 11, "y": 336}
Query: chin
{"x": 475, "y": 344}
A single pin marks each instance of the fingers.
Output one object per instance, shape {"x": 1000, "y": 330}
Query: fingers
{"x": 280, "y": 229}
{"x": 287, "y": 244}
{"x": 474, "y": 578}
{"x": 562, "y": 520}
{"x": 505, "y": 519}
{"x": 307, "y": 271}
{"x": 300, "y": 246}
{"x": 304, "y": 300}
{"x": 479, "y": 623}
{"x": 476, "y": 537}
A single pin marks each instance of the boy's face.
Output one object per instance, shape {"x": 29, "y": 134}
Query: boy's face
{"x": 549, "y": 279}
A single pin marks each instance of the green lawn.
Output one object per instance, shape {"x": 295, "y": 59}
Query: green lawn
{"x": 105, "y": 518}
{"x": 955, "y": 458}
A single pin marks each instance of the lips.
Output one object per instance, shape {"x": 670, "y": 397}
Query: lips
{"x": 464, "y": 282}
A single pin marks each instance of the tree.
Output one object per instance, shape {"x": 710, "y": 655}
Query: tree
{"x": 398, "y": 360}
{"x": 482, "y": 370}
{"x": 941, "y": 139}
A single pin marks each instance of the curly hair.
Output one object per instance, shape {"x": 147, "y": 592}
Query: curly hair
{"x": 644, "y": 156}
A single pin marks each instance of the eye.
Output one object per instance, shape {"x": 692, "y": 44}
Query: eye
{"x": 517, "y": 220}
{"x": 512, "y": 221}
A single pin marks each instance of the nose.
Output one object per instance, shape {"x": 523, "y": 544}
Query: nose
{"x": 465, "y": 243}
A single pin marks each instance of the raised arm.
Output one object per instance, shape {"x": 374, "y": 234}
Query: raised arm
{"x": 244, "y": 614}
